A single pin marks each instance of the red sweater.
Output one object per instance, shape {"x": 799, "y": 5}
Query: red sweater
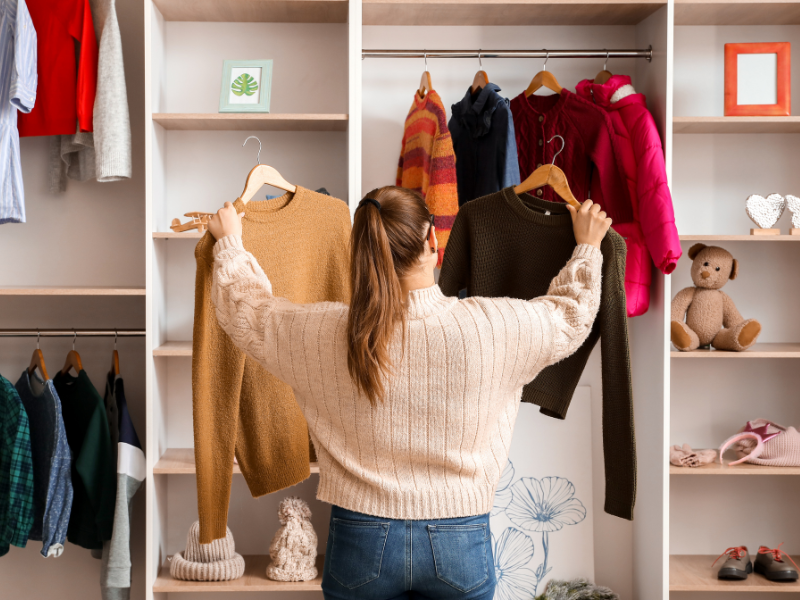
{"x": 67, "y": 83}
{"x": 590, "y": 156}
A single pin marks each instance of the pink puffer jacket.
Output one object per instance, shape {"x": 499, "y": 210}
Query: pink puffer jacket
{"x": 652, "y": 232}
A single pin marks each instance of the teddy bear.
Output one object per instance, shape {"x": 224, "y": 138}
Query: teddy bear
{"x": 711, "y": 316}
{"x": 294, "y": 548}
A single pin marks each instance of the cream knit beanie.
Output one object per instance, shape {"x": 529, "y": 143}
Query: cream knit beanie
{"x": 781, "y": 450}
{"x": 294, "y": 548}
{"x": 216, "y": 561}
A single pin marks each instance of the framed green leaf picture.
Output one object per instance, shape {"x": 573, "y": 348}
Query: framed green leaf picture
{"x": 246, "y": 86}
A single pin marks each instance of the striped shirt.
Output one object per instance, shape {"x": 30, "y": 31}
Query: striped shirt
{"x": 18, "y": 81}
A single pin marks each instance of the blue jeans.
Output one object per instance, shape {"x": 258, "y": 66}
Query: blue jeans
{"x": 373, "y": 558}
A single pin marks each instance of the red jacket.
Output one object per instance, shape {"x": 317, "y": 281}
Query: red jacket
{"x": 590, "y": 159}
{"x": 65, "y": 95}
{"x": 652, "y": 232}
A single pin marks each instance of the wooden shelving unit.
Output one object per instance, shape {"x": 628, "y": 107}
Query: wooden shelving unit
{"x": 694, "y": 573}
{"x": 173, "y": 349}
{"x": 740, "y": 238}
{"x": 791, "y": 350}
{"x": 736, "y": 124}
{"x": 736, "y": 12}
{"x": 253, "y": 580}
{"x": 71, "y": 291}
{"x": 180, "y": 461}
{"x": 740, "y": 469}
{"x": 251, "y": 11}
{"x": 508, "y": 12}
{"x": 250, "y": 122}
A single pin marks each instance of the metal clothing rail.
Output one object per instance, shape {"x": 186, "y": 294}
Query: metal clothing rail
{"x": 72, "y": 332}
{"x": 479, "y": 54}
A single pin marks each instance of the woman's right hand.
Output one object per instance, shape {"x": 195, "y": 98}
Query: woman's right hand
{"x": 589, "y": 222}
{"x": 225, "y": 222}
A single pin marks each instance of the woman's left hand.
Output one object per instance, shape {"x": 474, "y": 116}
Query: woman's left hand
{"x": 225, "y": 222}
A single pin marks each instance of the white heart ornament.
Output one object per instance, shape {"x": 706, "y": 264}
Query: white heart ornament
{"x": 793, "y": 204}
{"x": 765, "y": 212}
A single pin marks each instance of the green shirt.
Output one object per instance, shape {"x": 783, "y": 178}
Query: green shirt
{"x": 94, "y": 478}
{"x": 16, "y": 470}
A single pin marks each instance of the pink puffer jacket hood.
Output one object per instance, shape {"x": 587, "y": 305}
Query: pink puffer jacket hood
{"x": 652, "y": 234}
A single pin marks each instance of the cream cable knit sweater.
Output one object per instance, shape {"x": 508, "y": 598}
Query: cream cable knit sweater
{"x": 436, "y": 445}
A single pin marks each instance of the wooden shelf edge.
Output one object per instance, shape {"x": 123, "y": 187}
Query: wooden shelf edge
{"x": 72, "y": 291}
{"x": 253, "y": 580}
{"x": 741, "y": 469}
{"x": 180, "y": 461}
{"x": 245, "y": 121}
{"x": 179, "y": 348}
{"x": 765, "y": 350}
{"x": 740, "y": 238}
{"x": 694, "y": 573}
{"x": 171, "y": 235}
{"x": 710, "y": 125}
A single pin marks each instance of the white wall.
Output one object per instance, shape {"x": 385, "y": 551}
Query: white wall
{"x": 92, "y": 235}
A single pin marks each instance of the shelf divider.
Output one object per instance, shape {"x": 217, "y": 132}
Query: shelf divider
{"x": 694, "y": 573}
{"x": 71, "y": 291}
{"x": 736, "y": 124}
{"x": 180, "y": 348}
{"x": 180, "y": 461}
{"x": 784, "y": 350}
{"x": 251, "y": 122}
{"x": 736, "y": 12}
{"x": 248, "y": 11}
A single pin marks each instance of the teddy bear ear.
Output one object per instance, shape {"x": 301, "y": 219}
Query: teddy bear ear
{"x": 735, "y": 269}
{"x": 695, "y": 250}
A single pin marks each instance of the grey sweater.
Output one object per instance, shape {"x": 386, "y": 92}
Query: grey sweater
{"x": 106, "y": 153}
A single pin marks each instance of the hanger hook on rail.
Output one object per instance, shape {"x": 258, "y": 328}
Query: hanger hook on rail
{"x": 546, "y": 58}
{"x": 258, "y": 156}
{"x": 38, "y": 335}
{"x": 425, "y": 54}
{"x": 563, "y": 143}
{"x": 75, "y": 337}
{"x": 605, "y": 63}
{"x": 480, "y": 62}
{"x": 115, "y": 339}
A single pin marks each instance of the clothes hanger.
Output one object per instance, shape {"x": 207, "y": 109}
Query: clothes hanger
{"x": 115, "y": 357}
{"x": 425, "y": 84}
{"x": 550, "y": 175}
{"x": 262, "y": 175}
{"x": 481, "y": 78}
{"x": 603, "y": 76}
{"x": 37, "y": 360}
{"x": 543, "y": 78}
{"x": 73, "y": 358}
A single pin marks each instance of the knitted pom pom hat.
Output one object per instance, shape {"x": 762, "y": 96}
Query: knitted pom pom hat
{"x": 294, "y": 548}
{"x": 216, "y": 561}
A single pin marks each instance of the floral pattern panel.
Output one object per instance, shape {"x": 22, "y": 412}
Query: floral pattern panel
{"x": 542, "y": 516}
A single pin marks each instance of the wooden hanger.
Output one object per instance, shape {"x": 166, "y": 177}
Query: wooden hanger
{"x": 73, "y": 360}
{"x": 543, "y": 78}
{"x": 550, "y": 175}
{"x": 37, "y": 361}
{"x": 481, "y": 78}
{"x": 603, "y": 76}
{"x": 425, "y": 84}
{"x": 115, "y": 357}
{"x": 262, "y": 175}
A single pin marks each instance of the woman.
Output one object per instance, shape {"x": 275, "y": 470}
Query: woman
{"x": 410, "y": 396}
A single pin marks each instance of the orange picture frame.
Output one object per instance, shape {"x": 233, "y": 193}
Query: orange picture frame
{"x": 784, "y": 105}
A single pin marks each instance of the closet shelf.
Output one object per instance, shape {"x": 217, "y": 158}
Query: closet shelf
{"x": 694, "y": 573}
{"x": 756, "y": 351}
{"x": 736, "y": 12}
{"x": 253, "y": 580}
{"x": 736, "y": 124}
{"x": 173, "y": 349}
{"x": 186, "y": 235}
{"x": 740, "y": 238}
{"x": 741, "y": 469}
{"x": 71, "y": 291}
{"x": 261, "y": 11}
{"x": 508, "y": 12}
{"x": 180, "y": 461}
{"x": 251, "y": 122}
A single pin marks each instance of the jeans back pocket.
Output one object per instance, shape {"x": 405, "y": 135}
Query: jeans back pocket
{"x": 459, "y": 552}
{"x": 357, "y": 551}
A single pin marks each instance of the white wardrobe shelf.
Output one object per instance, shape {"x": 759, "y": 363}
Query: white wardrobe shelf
{"x": 741, "y": 469}
{"x": 251, "y": 11}
{"x": 253, "y": 580}
{"x": 694, "y": 573}
{"x": 173, "y": 349}
{"x": 180, "y": 461}
{"x": 740, "y": 238}
{"x": 737, "y": 12}
{"x": 736, "y": 124}
{"x": 71, "y": 291}
{"x": 790, "y": 350}
{"x": 508, "y": 12}
{"x": 251, "y": 122}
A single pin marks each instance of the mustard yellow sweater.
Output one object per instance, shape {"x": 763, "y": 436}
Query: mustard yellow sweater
{"x": 302, "y": 240}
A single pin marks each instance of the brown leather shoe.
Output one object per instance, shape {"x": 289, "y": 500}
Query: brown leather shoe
{"x": 771, "y": 565}
{"x": 738, "y": 565}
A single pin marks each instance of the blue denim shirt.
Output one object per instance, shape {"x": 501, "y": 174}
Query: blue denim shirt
{"x": 484, "y": 143}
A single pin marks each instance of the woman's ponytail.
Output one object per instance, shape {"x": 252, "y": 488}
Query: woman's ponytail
{"x": 389, "y": 231}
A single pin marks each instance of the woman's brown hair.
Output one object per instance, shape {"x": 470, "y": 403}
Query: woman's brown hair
{"x": 389, "y": 234}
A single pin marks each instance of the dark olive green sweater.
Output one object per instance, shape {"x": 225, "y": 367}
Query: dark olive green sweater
{"x": 506, "y": 245}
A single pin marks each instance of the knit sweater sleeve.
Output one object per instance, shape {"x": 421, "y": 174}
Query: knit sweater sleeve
{"x": 280, "y": 335}
{"x": 567, "y": 313}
